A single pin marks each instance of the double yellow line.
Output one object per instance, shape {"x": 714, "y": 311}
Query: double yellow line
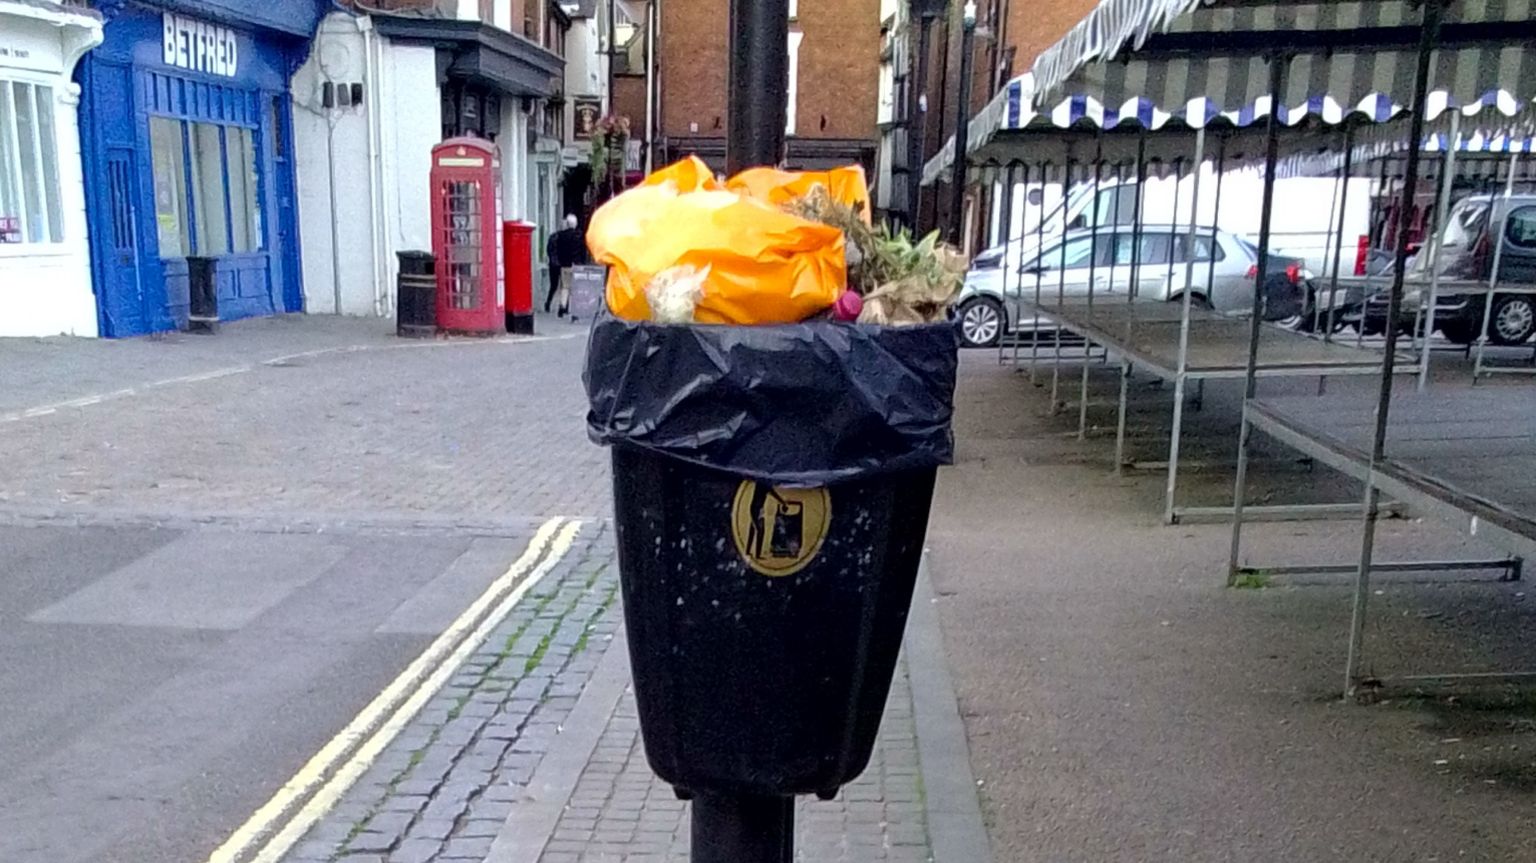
{"x": 283, "y": 820}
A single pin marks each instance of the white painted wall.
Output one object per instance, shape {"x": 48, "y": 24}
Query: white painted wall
{"x": 45, "y": 289}
{"x": 413, "y": 124}
{"x": 585, "y": 74}
{"x": 382, "y": 161}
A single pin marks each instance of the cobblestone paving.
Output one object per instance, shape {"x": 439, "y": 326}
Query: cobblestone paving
{"x": 477, "y": 431}
{"x": 444, "y": 787}
{"x": 621, "y": 813}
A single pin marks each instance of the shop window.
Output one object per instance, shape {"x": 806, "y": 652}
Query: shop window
{"x": 207, "y": 189}
{"x": 30, "y": 207}
{"x": 244, "y": 202}
{"x": 170, "y": 187}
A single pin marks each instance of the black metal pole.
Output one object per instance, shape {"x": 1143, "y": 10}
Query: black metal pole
{"x": 759, "y": 83}
{"x": 747, "y": 828}
{"x": 962, "y": 129}
{"x": 743, "y": 829}
{"x": 918, "y": 129}
{"x": 613, "y": 53}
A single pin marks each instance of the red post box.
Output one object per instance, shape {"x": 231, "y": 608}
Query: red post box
{"x": 517, "y": 246}
{"x": 466, "y": 236}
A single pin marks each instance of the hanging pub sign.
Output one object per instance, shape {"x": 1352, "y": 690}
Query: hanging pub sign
{"x": 588, "y": 113}
{"x": 200, "y": 46}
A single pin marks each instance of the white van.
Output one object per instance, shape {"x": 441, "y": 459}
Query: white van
{"x": 1305, "y": 209}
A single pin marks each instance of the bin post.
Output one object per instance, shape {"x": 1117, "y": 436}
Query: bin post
{"x": 743, "y": 829}
{"x": 758, "y": 101}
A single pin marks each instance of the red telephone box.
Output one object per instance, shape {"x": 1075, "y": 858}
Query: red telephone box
{"x": 517, "y": 243}
{"x": 466, "y": 236}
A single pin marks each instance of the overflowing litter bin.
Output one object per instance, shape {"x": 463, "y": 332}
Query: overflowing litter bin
{"x": 771, "y": 489}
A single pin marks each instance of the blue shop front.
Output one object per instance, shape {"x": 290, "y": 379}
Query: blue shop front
{"x": 187, "y": 143}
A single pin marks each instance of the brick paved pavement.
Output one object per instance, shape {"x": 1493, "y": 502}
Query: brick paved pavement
{"x": 355, "y": 430}
{"x": 40, "y": 371}
{"x": 621, "y": 813}
{"x": 443, "y": 788}
{"x": 473, "y": 430}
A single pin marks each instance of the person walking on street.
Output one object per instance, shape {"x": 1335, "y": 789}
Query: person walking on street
{"x": 566, "y": 248}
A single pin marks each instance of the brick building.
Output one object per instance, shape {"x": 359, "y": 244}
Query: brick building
{"x": 834, "y": 72}
{"x": 1010, "y": 34}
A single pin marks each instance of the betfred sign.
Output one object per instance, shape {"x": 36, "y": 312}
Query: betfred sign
{"x": 200, "y": 46}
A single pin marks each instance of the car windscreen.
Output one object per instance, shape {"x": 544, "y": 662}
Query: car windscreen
{"x": 1465, "y": 223}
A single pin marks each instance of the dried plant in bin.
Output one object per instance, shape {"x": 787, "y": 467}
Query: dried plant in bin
{"x": 902, "y": 282}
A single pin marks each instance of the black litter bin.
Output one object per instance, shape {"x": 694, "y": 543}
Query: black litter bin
{"x": 762, "y": 663}
{"x": 416, "y": 296}
{"x": 202, "y": 295}
{"x": 771, "y": 490}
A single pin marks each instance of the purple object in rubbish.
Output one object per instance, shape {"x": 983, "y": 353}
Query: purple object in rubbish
{"x": 847, "y": 307}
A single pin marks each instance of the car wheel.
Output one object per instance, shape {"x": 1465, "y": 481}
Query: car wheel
{"x": 1513, "y": 320}
{"x": 981, "y": 322}
{"x": 1196, "y": 301}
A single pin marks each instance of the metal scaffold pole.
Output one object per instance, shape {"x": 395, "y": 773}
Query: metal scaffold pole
{"x": 1133, "y": 288}
{"x": 1493, "y": 276}
{"x": 1034, "y": 338}
{"x": 1443, "y": 206}
{"x": 1187, "y": 303}
{"x": 1429, "y": 34}
{"x": 1093, "y": 259}
{"x": 1061, "y": 290}
{"x": 1338, "y": 245}
{"x": 1277, "y": 68}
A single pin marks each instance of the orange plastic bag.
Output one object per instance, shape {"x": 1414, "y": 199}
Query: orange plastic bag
{"x": 846, "y": 186}
{"x": 766, "y": 266}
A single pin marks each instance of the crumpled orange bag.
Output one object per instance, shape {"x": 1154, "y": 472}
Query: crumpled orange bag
{"x": 846, "y": 185}
{"x": 766, "y": 265}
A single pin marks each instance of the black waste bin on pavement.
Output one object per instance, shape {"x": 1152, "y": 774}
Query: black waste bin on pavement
{"x": 416, "y": 295}
{"x": 771, "y": 492}
{"x": 202, "y": 295}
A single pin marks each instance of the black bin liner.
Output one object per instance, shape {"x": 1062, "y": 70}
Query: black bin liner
{"x": 801, "y": 404}
{"x": 771, "y": 494}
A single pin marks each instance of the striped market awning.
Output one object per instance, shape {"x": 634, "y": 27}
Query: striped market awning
{"x": 1173, "y": 66}
{"x": 1345, "y": 53}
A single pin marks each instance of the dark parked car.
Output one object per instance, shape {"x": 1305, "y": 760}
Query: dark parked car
{"x": 1469, "y": 243}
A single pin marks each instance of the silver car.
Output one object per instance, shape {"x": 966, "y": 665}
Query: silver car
{"x": 1067, "y": 267}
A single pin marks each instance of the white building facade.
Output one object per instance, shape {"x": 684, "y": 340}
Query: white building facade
{"x": 376, "y": 94}
{"x": 45, "y": 268}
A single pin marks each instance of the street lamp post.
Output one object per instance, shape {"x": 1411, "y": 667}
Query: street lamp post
{"x": 758, "y": 83}
{"x": 925, "y": 12}
{"x": 962, "y": 127}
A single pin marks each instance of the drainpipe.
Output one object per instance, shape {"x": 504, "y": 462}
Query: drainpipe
{"x": 377, "y": 239}
{"x": 650, "y": 84}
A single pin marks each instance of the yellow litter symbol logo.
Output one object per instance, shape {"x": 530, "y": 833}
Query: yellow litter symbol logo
{"x": 779, "y": 531}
